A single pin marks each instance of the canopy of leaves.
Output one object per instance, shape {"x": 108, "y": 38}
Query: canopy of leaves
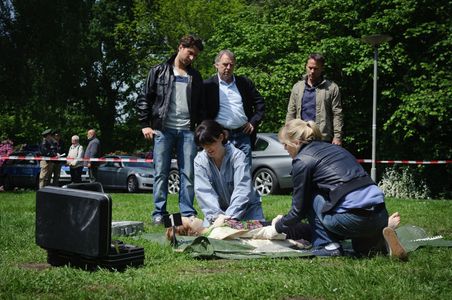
{"x": 78, "y": 64}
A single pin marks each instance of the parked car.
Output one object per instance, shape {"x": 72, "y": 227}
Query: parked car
{"x": 25, "y": 173}
{"x": 271, "y": 167}
{"x": 21, "y": 173}
{"x": 130, "y": 176}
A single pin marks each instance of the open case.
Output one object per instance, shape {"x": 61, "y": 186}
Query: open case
{"x": 74, "y": 226}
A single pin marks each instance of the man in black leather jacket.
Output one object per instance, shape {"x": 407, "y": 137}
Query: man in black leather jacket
{"x": 169, "y": 110}
{"x": 334, "y": 192}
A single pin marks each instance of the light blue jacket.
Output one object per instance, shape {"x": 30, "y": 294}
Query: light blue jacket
{"x": 228, "y": 191}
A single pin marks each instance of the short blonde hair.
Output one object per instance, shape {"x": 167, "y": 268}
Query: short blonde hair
{"x": 75, "y": 137}
{"x": 299, "y": 130}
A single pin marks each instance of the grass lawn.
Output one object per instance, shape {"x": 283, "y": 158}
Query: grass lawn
{"x": 24, "y": 273}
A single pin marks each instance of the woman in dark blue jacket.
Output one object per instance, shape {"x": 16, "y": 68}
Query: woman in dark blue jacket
{"x": 333, "y": 192}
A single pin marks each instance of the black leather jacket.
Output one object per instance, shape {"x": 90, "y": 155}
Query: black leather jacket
{"x": 153, "y": 104}
{"x": 253, "y": 102}
{"x": 326, "y": 169}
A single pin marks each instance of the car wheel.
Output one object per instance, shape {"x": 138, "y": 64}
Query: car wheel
{"x": 265, "y": 182}
{"x": 132, "y": 184}
{"x": 173, "y": 182}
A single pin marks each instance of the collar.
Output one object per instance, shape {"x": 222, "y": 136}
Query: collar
{"x": 221, "y": 81}
{"x": 320, "y": 82}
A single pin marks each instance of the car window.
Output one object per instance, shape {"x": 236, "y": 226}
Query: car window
{"x": 138, "y": 164}
{"x": 260, "y": 145}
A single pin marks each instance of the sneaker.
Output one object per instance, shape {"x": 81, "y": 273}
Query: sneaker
{"x": 395, "y": 248}
{"x": 157, "y": 220}
{"x": 332, "y": 249}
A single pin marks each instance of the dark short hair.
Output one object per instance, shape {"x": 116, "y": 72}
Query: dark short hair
{"x": 317, "y": 57}
{"x": 208, "y": 131}
{"x": 190, "y": 41}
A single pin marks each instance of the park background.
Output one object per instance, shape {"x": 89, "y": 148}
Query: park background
{"x": 72, "y": 65}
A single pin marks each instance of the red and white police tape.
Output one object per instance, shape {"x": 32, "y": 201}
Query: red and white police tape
{"x": 409, "y": 162}
{"x": 24, "y": 157}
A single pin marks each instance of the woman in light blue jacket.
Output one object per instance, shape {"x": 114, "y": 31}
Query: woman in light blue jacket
{"x": 223, "y": 185}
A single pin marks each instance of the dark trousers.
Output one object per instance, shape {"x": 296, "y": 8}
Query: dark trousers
{"x": 76, "y": 174}
{"x": 92, "y": 171}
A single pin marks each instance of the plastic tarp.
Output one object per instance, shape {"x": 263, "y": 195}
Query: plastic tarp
{"x": 412, "y": 237}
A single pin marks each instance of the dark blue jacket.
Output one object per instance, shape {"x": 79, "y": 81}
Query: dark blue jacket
{"x": 326, "y": 169}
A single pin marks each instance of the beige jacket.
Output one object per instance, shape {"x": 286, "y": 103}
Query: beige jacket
{"x": 328, "y": 108}
{"x": 75, "y": 152}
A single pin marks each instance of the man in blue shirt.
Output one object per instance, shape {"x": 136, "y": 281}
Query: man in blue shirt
{"x": 234, "y": 102}
{"x": 317, "y": 99}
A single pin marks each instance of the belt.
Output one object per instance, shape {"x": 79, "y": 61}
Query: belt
{"x": 367, "y": 211}
{"x": 236, "y": 130}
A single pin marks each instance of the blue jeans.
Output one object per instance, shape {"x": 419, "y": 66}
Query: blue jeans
{"x": 242, "y": 141}
{"x": 365, "y": 231}
{"x": 164, "y": 142}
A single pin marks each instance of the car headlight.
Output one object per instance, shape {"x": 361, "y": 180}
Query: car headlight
{"x": 145, "y": 175}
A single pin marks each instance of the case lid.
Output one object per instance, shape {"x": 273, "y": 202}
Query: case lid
{"x": 75, "y": 221}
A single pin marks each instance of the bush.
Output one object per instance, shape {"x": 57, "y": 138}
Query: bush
{"x": 401, "y": 182}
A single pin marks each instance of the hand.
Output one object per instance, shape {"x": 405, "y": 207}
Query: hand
{"x": 336, "y": 141}
{"x": 220, "y": 220}
{"x": 269, "y": 232}
{"x": 148, "y": 133}
{"x": 276, "y": 219}
{"x": 248, "y": 128}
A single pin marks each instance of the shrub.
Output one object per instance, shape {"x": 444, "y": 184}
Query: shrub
{"x": 400, "y": 182}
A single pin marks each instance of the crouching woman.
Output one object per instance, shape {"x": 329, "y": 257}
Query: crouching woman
{"x": 223, "y": 184}
{"x": 334, "y": 192}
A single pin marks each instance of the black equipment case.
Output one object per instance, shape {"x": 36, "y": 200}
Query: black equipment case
{"x": 74, "y": 226}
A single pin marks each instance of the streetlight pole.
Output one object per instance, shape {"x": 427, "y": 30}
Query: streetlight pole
{"x": 374, "y": 41}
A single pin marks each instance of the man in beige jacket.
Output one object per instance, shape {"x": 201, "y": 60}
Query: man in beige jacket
{"x": 318, "y": 99}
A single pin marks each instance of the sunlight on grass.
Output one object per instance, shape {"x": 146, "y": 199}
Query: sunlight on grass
{"x": 170, "y": 275}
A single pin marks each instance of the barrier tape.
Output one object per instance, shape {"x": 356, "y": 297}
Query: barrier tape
{"x": 411, "y": 162}
{"x": 20, "y": 157}
{"x": 407, "y": 162}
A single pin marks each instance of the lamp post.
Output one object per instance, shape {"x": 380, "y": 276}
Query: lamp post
{"x": 374, "y": 41}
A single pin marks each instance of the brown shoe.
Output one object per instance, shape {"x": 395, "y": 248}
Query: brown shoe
{"x": 393, "y": 244}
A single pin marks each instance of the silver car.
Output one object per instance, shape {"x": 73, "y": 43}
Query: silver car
{"x": 271, "y": 168}
{"x": 130, "y": 176}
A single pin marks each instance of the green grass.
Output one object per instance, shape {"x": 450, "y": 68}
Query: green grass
{"x": 24, "y": 273}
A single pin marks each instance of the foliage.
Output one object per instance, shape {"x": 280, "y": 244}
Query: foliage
{"x": 401, "y": 183}
{"x": 79, "y": 64}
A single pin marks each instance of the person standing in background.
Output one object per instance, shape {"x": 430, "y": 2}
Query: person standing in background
{"x": 48, "y": 148}
{"x": 235, "y": 103}
{"x": 6, "y": 148}
{"x": 76, "y": 164}
{"x": 169, "y": 110}
{"x": 92, "y": 151}
{"x": 317, "y": 99}
{"x": 56, "y": 170}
